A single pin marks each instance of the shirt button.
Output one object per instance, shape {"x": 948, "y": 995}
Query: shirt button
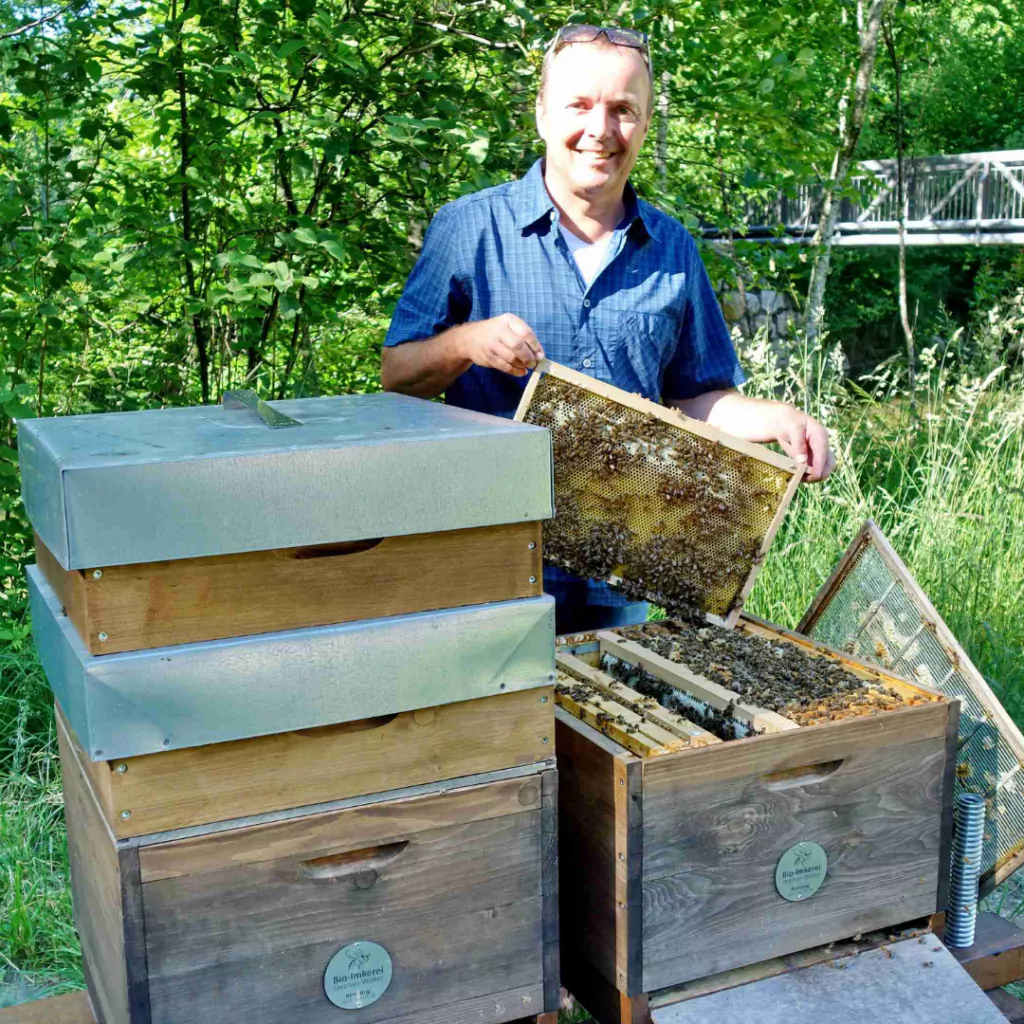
{"x": 586, "y": 303}
{"x": 553, "y": 216}
{"x": 587, "y": 364}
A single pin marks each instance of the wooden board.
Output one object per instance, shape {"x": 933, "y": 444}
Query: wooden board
{"x": 1012, "y": 1009}
{"x": 674, "y": 417}
{"x": 458, "y": 885}
{"x": 157, "y": 604}
{"x": 648, "y": 708}
{"x": 716, "y": 822}
{"x": 72, "y": 1008}
{"x": 198, "y": 785}
{"x": 906, "y": 982}
{"x": 96, "y": 891}
{"x": 997, "y": 956}
{"x": 771, "y": 968}
{"x": 600, "y": 857}
{"x": 682, "y": 678}
{"x": 621, "y": 724}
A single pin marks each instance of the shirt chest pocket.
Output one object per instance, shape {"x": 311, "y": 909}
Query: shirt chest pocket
{"x": 638, "y": 347}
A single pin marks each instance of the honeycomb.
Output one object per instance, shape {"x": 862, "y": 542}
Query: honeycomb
{"x": 643, "y": 502}
{"x": 875, "y": 610}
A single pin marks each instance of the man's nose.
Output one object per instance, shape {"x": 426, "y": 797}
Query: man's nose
{"x": 598, "y": 121}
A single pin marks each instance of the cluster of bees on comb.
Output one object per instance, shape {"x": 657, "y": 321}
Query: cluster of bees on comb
{"x": 672, "y": 517}
{"x": 779, "y": 676}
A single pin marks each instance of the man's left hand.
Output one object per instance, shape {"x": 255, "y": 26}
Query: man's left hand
{"x": 803, "y": 438}
{"x": 763, "y": 420}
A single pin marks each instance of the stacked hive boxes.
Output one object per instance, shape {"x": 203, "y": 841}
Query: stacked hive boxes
{"x": 303, "y": 669}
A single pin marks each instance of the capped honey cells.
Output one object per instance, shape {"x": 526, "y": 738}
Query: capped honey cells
{"x": 661, "y": 512}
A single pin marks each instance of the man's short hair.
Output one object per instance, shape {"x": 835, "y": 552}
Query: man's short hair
{"x": 551, "y": 53}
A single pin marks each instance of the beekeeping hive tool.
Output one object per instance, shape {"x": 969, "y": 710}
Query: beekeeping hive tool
{"x": 873, "y": 607}
{"x": 665, "y": 507}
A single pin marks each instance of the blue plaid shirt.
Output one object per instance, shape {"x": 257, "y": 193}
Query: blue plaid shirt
{"x": 649, "y": 322}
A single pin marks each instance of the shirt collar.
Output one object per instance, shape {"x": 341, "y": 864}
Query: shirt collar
{"x": 535, "y": 203}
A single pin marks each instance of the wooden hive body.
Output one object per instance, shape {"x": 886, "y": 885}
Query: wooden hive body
{"x": 158, "y": 604}
{"x": 668, "y": 861}
{"x": 457, "y": 881}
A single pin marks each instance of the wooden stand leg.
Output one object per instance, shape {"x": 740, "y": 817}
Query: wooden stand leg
{"x": 600, "y": 998}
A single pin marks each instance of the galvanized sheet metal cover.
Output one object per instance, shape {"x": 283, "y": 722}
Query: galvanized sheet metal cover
{"x": 166, "y": 698}
{"x": 121, "y": 488}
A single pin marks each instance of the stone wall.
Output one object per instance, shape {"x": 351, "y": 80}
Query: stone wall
{"x": 754, "y": 309}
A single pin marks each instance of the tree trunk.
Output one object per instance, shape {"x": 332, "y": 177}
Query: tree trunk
{"x": 199, "y": 327}
{"x": 902, "y": 204}
{"x": 851, "y": 121}
{"x": 661, "y": 145}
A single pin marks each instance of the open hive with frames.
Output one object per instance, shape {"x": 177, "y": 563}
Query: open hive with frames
{"x": 664, "y": 507}
{"x": 694, "y": 759}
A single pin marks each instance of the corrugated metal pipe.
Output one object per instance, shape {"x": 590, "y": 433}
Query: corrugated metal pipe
{"x": 968, "y": 837}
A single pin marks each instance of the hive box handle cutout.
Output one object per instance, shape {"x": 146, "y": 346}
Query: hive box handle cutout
{"x": 805, "y": 775}
{"x": 362, "y": 863}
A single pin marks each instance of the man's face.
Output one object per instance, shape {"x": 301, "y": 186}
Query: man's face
{"x": 593, "y": 116}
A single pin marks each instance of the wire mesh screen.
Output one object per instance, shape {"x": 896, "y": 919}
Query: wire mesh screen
{"x": 660, "y": 511}
{"x": 873, "y": 608}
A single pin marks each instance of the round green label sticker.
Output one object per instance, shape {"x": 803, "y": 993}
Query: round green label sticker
{"x": 800, "y": 871}
{"x": 358, "y": 975}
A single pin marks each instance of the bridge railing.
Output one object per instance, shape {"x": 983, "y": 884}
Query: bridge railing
{"x": 961, "y": 198}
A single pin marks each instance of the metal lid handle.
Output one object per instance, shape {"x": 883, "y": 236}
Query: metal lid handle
{"x": 248, "y": 399}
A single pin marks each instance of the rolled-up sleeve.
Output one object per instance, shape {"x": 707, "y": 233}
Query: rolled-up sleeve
{"x": 436, "y": 296}
{"x": 705, "y": 359}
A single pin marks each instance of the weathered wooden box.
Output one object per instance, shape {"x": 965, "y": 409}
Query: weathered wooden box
{"x": 118, "y": 608}
{"x": 202, "y": 785}
{"x": 668, "y": 862}
{"x": 245, "y": 919}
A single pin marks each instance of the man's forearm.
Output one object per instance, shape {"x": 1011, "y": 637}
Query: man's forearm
{"x": 426, "y": 368}
{"x": 753, "y": 419}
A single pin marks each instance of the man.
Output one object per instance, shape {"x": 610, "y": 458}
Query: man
{"x": 569, "y": 255}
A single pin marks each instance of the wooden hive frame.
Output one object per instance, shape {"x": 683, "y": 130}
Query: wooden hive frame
{"x": 686, "y": 426}
{"x": 982, "y": 710}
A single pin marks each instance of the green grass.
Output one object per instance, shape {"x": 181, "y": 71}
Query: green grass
{"x": 38, "y": 944}
{"x": 945, "y": 481}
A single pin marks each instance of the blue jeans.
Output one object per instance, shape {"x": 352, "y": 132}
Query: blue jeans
{"x": 574, "y": 615}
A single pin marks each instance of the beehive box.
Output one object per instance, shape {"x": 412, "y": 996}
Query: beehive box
{"x": 672, "y": 839}
{"x": 198, "y": 568}
{"x": 431, "y": 904}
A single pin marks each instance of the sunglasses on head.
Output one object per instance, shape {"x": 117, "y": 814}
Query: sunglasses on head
{"x": 630, "y": 37}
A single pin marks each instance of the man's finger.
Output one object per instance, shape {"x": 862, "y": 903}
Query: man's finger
{"x": 500, "y": 358}
{"x": 795, "y": 445}
{"x": 817, "y": 439}
{"x": 522, "y": 331}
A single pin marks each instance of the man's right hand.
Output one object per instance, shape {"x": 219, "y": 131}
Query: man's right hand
{"x": 426, "y": 368}
{"x": 503, "y": 343}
